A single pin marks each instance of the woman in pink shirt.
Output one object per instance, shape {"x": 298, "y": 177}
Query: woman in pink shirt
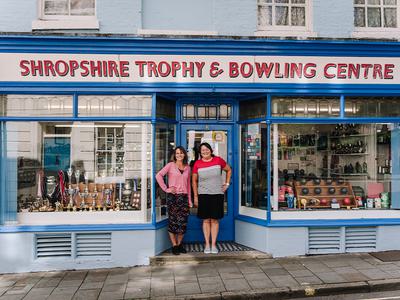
{"x": 178, "y": 196}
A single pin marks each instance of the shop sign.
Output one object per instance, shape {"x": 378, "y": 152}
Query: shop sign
{"x": 198, "y": 68}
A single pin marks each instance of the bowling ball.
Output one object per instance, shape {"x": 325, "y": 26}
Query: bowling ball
{"x": 317, "y": 181}
{"x": 343, "y": 191}
{"x": 346, "y": 201}
{"x": 340, "y": 181}
{"x": 331, "y": 190}
{"x": 303, "y": 181}
{"x": 328, "y": 181}
{"x": 317, "y": 190}
{"x": 323, "y": 201}
{"x": 304, "y": 191}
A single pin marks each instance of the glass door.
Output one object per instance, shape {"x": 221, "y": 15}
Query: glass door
{"x": 219, "y": 137}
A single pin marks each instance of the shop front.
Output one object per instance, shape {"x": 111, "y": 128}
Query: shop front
{"x": 311, "y": 130}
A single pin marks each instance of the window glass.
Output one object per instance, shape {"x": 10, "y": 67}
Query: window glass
{"x": 372, "y": 107}
{"x": 278, "y": 13}
{"x": 206, "y": 111}
{"x": 335, "y": 166}
{"x": 375, "y": 14}
{"x": 87, "y": 167}
{"x": 252, "y": 109}
{"x": 305, "y": 107}
{"x": 35, "y": 106}
{"x": 165, "y": 108}
{"x": 254, "y": 165}
{"x": 126, "y": 105}
{"x": 165, "y": 143}
{"x": 69, "y": 7}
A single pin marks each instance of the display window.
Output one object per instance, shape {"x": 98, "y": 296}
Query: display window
{"x": 253, "y": 169}
{"x": 164, "y": 145}
{"x": 335, "y": 166}
{"x": 86, "y": 171}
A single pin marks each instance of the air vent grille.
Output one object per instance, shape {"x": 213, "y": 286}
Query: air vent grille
{"x": 93, "y": 244}
{"x": 359, "y": 239}
{"x": 324, "y": 240}
{"x": 53, "y": 245}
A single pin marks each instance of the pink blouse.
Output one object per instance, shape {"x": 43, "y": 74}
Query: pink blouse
{"x": 181, "y": 181}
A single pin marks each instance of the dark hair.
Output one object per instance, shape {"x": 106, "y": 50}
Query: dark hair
{"x": 185, "y": 158}
{"x": 207, "y": 145}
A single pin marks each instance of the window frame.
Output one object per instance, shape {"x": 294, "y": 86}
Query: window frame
{"x": 371, "y": 32}
{"x": 46, "y": 22}
{"x": 289, "y": 30}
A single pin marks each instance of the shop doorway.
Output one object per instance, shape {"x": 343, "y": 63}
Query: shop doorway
{"x": 220, "y": 139}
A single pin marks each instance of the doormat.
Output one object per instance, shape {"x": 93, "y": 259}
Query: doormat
{"x": 386, "y": 256}
{"x": 222, "y": 247}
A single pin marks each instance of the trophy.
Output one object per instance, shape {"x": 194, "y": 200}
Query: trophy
{"x": 50, "y": 188}
{"x": 94, "y": 197}
{"x": 127, "y": 192}
{"x": 85, "y": 194}
{"x": 107, "y": 193}
{"x": 71, "y": 191}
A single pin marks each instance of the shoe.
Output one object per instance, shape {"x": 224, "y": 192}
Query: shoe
{"x": 182, "y": 249}
{"x": 175, "y": 250}
{"x": 207, "y": 250}
{"x": 214, "y": 250}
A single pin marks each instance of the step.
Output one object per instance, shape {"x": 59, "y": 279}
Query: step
{"x": 228, "y": 251}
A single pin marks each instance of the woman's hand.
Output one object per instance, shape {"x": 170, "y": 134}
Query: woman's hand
{"x": 196, "y": 201}
{"x": 190, "y": 204}
{"x": 225, "y": 186}
{"x": 171, "y": 190}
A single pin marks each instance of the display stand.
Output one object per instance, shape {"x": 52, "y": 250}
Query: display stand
{"x": 343, "y": 194}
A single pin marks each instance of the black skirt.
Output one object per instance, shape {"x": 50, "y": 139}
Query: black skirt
{"x": 211, "y": 206}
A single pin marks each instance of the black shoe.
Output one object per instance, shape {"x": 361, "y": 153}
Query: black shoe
{"x": 182, "y": 249}
{"x": 175, "y": 250}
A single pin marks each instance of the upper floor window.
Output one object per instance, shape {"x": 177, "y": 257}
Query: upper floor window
{"x": 66, "y": 14}
{"x": 376, "y": 18}
{"x": 285, "y": 17}
{"x": 66, "y": 8}
{"x": 375, "y": 13}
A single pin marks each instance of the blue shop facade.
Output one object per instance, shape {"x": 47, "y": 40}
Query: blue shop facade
{"x": 310, "y": 128}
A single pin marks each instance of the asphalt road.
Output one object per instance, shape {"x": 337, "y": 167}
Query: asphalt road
{"x": 392, "y": 295}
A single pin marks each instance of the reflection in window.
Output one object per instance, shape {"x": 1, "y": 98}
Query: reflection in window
{"x": 125, "y": 105}
{"x": 372, "y": 107}
{"x": 165, "y": 143}
{"x": 165, "y": 108}
{"x": 305, "y": 107}
{"x": 335, "y": 166}
{"x": 206, "y": 112}
{"x": 79, "y": 166}
{"x": 254, "y": 165}
{"x": 35, "y": 106}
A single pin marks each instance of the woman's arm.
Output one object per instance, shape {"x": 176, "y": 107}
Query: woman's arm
{"x": 228, "y": 171}
{"x": 160, "y": 177}
{"x": 189, "y": 189}
{"x": 195, "y": 191}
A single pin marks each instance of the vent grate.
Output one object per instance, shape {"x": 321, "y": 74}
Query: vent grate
{"x": 324, "y": 240}
{"x": 93, "y": 244}
{"x": 359, "y": 239}
{"x": 53, "y": 245}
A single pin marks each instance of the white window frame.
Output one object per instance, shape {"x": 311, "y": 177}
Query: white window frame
{"x": 298, "y": 31}
{"x": 51, "y": 22}
{"x": 376, "y": 32}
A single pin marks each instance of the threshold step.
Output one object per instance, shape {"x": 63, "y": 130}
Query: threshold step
{"x": 195, "y": 254}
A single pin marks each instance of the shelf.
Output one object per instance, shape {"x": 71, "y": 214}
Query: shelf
{"x": 295, "y": 147}
{"x": 325, "y": 196}
{"x": 350, "y": 174}
{"x": 348, "y": 136}
{"x": 350, "y": 154}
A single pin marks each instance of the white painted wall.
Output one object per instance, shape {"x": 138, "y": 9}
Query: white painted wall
{"x": 251, "y": 235}
{"x": 287, "y": 241}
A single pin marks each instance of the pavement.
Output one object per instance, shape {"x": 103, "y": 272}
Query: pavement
{"x": 240, "y": 277}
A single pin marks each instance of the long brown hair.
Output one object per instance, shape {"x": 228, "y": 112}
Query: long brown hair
{"x": 185, "y": 158}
